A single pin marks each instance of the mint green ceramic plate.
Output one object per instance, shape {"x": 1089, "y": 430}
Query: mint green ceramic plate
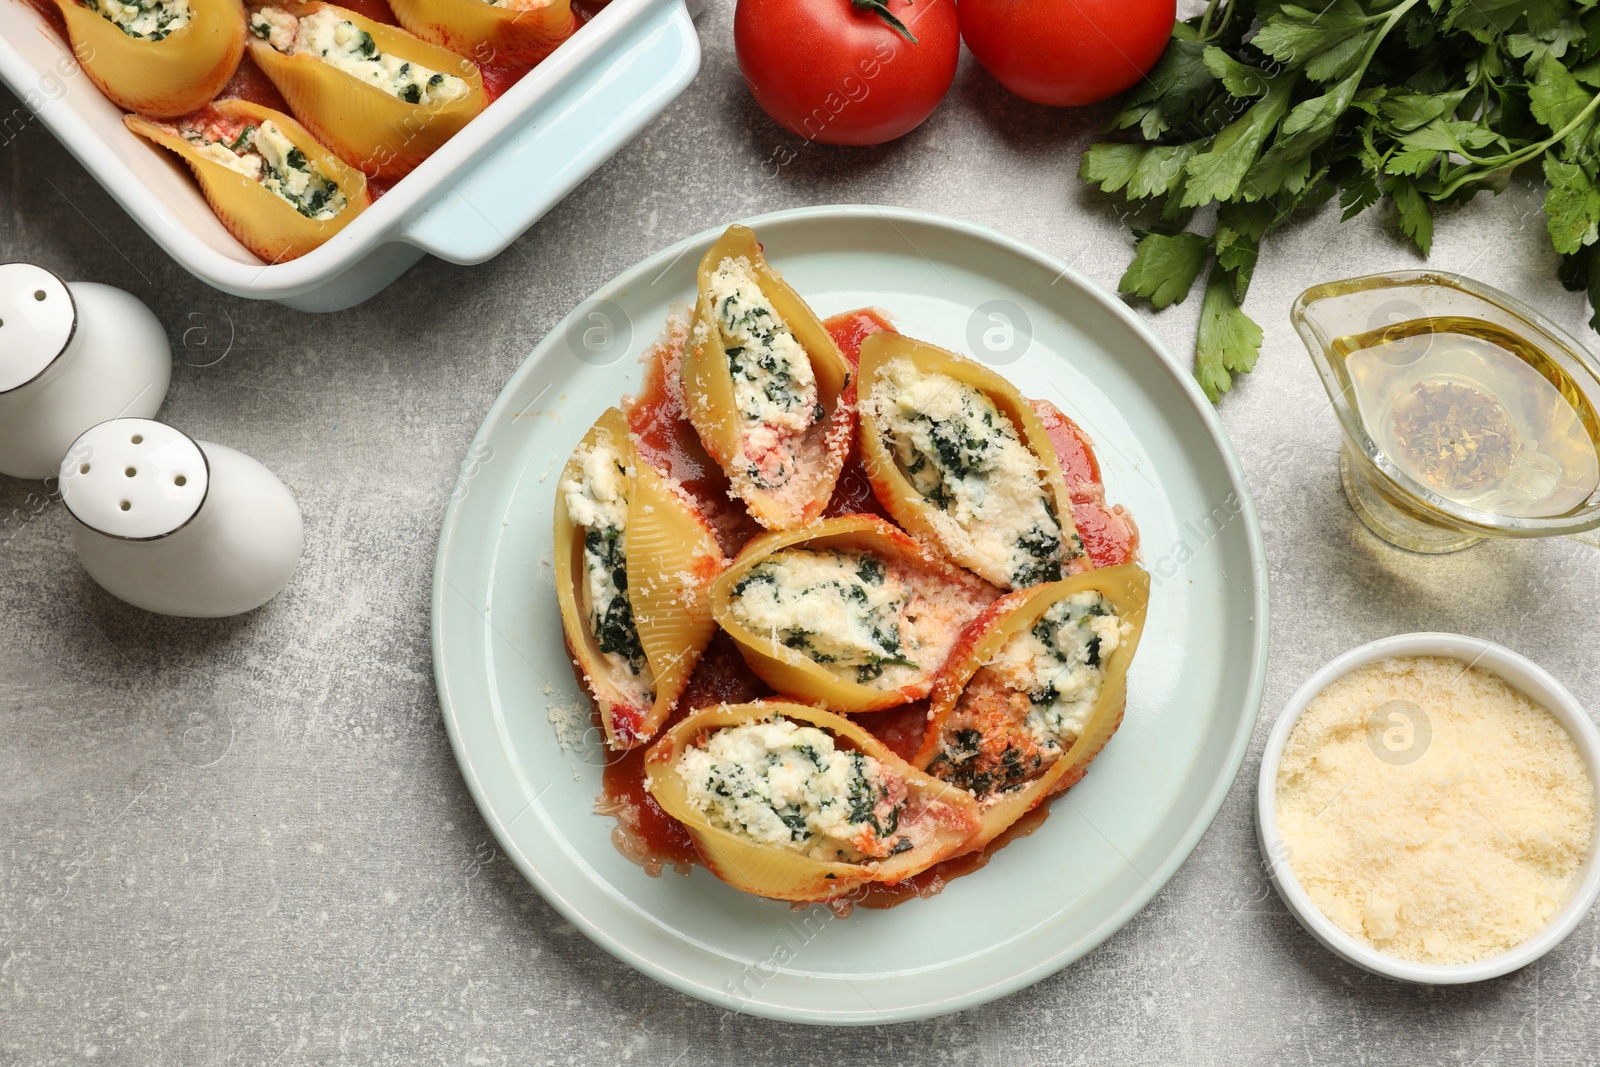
{"x": 510, "y": 701}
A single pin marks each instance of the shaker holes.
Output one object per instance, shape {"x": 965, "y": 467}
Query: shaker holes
{"x": 38, "y": 294}
{"x": 83, "y": 469}
{"x": 126, "y": 505}
{"x": 180, "y": 480}
{"x": 131, "y": 471}
{"x": 137, "y": 438}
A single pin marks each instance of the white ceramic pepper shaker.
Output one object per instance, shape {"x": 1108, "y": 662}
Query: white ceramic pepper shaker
{"x": 178, "y": 526}
{"x": 71, "y": 355}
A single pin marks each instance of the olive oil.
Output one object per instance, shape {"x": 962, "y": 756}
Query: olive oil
{"x": 1476, "y": 414}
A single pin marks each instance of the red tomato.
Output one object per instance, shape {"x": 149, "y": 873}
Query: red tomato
{"x": 835, "y": 72}
{"x": 1065, "y": 52}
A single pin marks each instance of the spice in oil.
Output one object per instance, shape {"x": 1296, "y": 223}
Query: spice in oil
{"x": 1476, "y": 415}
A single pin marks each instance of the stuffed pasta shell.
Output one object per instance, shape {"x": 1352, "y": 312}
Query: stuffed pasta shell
{"x": 958, "y": 457}
{"x": 633, "y": 563}
{"x": 765, "y": 386}
{"x": 381, "y": 98}
{"x": 1035, "y": 690}
{"x": 162, "y": 58}
{"x": 795, "y": 803}
{"x": 490, "y": 31}
{"x": 279, "y": 192}
{"x": 848, "y": 613}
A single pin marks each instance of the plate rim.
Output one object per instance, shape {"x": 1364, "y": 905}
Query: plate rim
{"x": 1153, "y": 882}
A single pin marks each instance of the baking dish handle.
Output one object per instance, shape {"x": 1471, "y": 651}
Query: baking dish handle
{"x": 594, "y": 115}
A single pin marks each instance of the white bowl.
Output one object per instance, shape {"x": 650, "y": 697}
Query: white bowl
{"x": 1521, "y": 674}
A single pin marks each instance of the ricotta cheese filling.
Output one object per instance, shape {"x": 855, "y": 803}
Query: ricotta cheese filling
{"x": 774, "y": 387}
{"x": 787, "y": 785}
{"x": 1060, "y": 664}
{"x": 960, "y": 452}
{"x": 263, "y": 154}
{"x": 843, "y": 610}
{"x": 345, "y": 46}
{"x": 1024, "y": 708}
{"x": 597, "y": 501}
{"x": 148, "y": 20}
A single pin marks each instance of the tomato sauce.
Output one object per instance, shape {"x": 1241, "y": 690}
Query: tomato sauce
{"x": 51, "y": 14}
{"x": 1108, "y": 533}
{"x": 647, "y": 834}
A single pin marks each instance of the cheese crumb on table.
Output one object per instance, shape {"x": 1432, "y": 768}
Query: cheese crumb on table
{"x": 1463, "y": 852}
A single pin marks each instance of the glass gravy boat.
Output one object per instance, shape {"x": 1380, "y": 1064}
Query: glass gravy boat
{"x": 1466, "y": 413}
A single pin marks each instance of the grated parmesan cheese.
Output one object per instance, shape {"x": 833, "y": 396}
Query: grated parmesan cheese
{"x": 571, "y": 719}
{"x": 1444, "y": 836}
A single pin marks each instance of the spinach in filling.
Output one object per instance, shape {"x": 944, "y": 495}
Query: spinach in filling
{"x": 961, "y": 762}
{"x": 613, "y": 625}
{"x": 964, "y": 456}
{"x": 839, "y": 609}
{"x": 787, "y": 784}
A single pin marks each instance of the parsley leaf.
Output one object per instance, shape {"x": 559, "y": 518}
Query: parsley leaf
{"x": 1228, "y": 342}
{"x": 1240, "y": 227}
{"x": 1139, "y": 171}
{"x": 1172, "y": 94}
{"x": 1110, "y": 166}
{"x": 1407, "y": 110}
{"x": 1216, "y": 174}
{"x": 1556, "y": 98}
{"x": 1572, "y": 205}
{"x": 1416, "y": 218}
{"x": 1357, "y": 194}
{"x": 1164, "y": 267}
{"x": 1236, "y": 77}
{"x": 1325, "y": 43}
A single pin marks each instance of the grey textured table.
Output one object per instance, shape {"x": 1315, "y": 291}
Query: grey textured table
{"x": 247, "y": 841}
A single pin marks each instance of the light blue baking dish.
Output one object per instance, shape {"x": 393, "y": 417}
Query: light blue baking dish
{"x": 465, "y": 204}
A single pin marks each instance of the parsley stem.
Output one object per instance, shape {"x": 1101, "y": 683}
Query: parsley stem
{"x": 1515, "y": 159}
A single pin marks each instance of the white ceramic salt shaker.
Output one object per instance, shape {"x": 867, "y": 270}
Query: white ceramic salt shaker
{"x": 178, "y": 526}
{"x": 72, "y": 354}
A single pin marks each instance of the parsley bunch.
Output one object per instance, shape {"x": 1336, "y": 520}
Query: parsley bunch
{"x": 1265, "y": 108}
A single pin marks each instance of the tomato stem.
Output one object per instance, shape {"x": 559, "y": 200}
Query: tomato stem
{"x": 881, "y": 9}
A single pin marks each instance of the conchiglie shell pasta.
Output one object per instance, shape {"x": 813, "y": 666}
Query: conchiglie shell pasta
{"x": 902, "y": 499}
{"x": 942, "y": 590}
{"x": 671, "y": 559}
{"x": 173, "y": 76}
{"x": 1127, "y": 588}
{"x": 258, "y": 218}
{"x": 490, "y": 33}
{"x": 708, "y": 393}
{"x": 369, "y": 128}
{"x": 945, "y": 818}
